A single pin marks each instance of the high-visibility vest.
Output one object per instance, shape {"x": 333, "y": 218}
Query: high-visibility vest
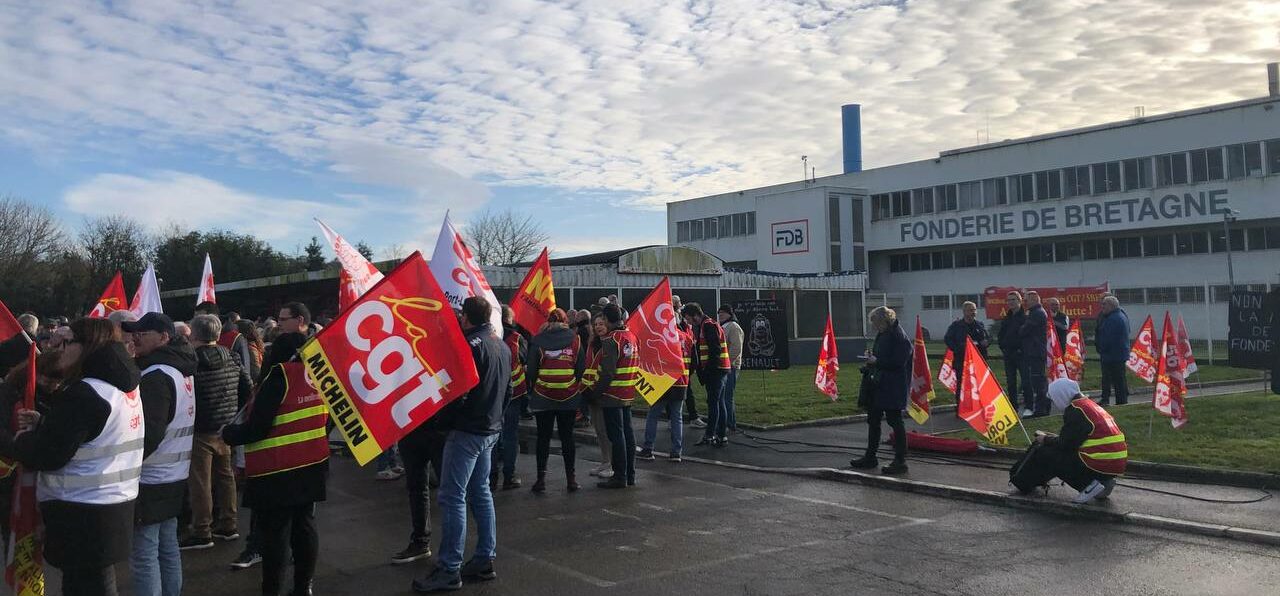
{"x": 298, "y": 436}
{"x": 556, "y": 380}
{"x": 1105, "y": 451}
{"x": 518, "y": 385}
{"x": 228, "y": 339}
{"x": 105, "y": 470}
{"x": 623, "y": 385}
{"x": 591, "y": 373}
{"x": 706, "y": 360}
{"x": 171, "y": 461}
{"x": 686, "y": 352}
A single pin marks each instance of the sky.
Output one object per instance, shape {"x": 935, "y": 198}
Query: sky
{"x": 380, "y": 116}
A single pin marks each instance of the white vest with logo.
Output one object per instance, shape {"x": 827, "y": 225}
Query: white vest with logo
{"x": 171, "y": 461}
{"x": 104, "y": 471}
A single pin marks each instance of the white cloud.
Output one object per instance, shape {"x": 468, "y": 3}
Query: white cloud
{"x": 662, "y": 100}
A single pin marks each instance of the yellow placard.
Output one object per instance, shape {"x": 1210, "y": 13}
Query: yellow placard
{"x": 652, "y": 386}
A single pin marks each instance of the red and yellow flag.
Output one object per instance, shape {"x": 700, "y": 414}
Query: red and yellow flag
{"x": 1142, "y": 356}
{"x": 536, "y": 296}
{"x": 828, "y": 364}
{"x": 982, "y": 402}
{"x": 1073, "y": 359}
{"x": 921, "y": 380}
{"x": 654, "y": 324}
{"x": 947, "y": 372}
{"x": 113, "y": 299}
{"x": 1171, "y": 384}
{"x": 1055, "y": 365}
{"x": 24, "y": 569}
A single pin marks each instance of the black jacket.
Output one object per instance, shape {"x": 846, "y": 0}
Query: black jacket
{"x": 1061, "y": 325}
{"x": 479, "y": 412}
{"x": 893, "y": 351}
{"x": 221, "y": 388}
{"x": 159, "y": 502}
{"x": 12, "y": 352}
{"x": 79, "y": 534}
{"x": 956, "y": 334}
{"x": 292, "y": 488}
{"x": 1010, "y": 333}
{"x": 1035, "y": 335}
{"x": 557, "y": 338}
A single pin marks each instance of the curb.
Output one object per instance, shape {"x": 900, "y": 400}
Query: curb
{"x": 1180, "y": 473}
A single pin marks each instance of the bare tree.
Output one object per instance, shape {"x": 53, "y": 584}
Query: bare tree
{"x": 503, "y": 237}
{"x": 114, "y": 243}
{"x": 30, "y": 237}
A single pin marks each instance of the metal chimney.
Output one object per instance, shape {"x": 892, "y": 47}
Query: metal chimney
{"x": 851, "y": 115}
{"x": 1273, "y": 79}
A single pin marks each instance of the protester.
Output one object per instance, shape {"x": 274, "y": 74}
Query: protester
{"x": 257, "y": 349}
{"x": 235, "y": 341}
{"x": 12, "y": 392}
{"x": 617, "y": 367}
{"x": 474, "y": 422}
{"x": 690, "y": 403}
{"x": 220, "y": 389}
{"x": 670, "y": 404}
{"x": 1111, "y": 340}
{"x": 118, "y": 318}
{"x": 422, "y": 446}
{"x": 1010, "y": 340}
{"x": 1061, "y": 322}
{"x": 508, "y": 448}
{"x": 1034, "y": 355}
{"x": 590, "y": 374}
{"x": 967, "y": 326}
{"x": 168, "y": 406}
{"x": 284, "y": 481}
{"x": 182, "y": 332}
{"x": 88, "y": 451}
{"x": 582, "y": 326}
{"x": 712, "y": 365}
{"x": 1088, "y": 453}
{"x": 14, "y": 349}
{"x": 890, "y": 362}
{"x": 556, "y": 363}
{"x": 733, "y": 335}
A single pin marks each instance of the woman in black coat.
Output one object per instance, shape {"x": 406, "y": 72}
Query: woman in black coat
{"x": 889, "y": 369}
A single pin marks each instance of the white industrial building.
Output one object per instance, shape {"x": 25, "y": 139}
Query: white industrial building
{"x": 1143, "y": 204}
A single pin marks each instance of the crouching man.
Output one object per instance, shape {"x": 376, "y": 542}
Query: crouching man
{"x": 1088, "y": 453}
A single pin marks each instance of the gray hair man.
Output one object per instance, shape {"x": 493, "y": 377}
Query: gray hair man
{"x": 1111, "y": 341}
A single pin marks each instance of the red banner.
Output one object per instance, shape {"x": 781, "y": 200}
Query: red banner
{"x": 828, "y": 364}
{"x": 113, "y": 299}
{"x": 536, "y": 296}
{"x": 661, "y": 356}
{"x": 391, "y": 361}
{"x": 921, "y": 391}
{"x": 1078, "y": 303}
{"x": 1142, "y": 355}
{"x": 1171, "y": 383}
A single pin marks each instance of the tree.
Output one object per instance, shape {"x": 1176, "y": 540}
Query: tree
{"x": 114, "y": 243}
{"x": 314, "y": 256}
{"x": 179, "y": 257}
{"x": 31, "y": 240}
{"x": 364, "y": 250}
{"x": 503, "y": 237}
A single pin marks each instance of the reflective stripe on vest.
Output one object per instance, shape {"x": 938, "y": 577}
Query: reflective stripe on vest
{"x": 298, "y": 436}
{"x": 171, "y": 461}
{"x": 518, "y": 385}
{"x": 592, "y": 372}
{"x": 704, "y": 355}
{"x": 623, "y": 385}
{"x": 556, "y": 380}
{"x": 1105, "y": 450}
{"x": 105, "y": 470}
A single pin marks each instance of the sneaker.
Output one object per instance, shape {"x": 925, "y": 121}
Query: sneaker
{"x": 674, "y": 458}
{"x": 1109, "y": 486}
{"x": 605, "y": 474}
{"x": 601, "y": 468}
{"x": 388, "y": 475}
{"x": 705, "y": 441}
{"x": 1091, "y": 492}
{"x": 698, "y": 423}
{"x": 645, "y": 454}
{"x": 481, "y": 569}
{"x": 721, "y": 441}
{"x": 864, "y": 463}
{"x": 195, "y": 543}
{"x": 511, "y": 483}
{"x": 226, "y": 535}
{"x": 416, "y": 551}
{"x": 894, "y": 469}
{"x": 246, "y": 560}
{"x": 1027, "y": 413}
{"x": 440, "y": 580}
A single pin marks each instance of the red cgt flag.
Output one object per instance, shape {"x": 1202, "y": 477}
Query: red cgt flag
{"x": 1073, "y": 359}
{"x": 654, "y": 324}
{"x": 1171, "y": 384}
{"x": 113, "y": 299}
{"x": 24, "y": 565}
{"x": 921, "y": 380}
{"x": 982, "y": 403}
{"x": 947, "y": 372}
{"x": 1055, "y": 363}
{"x": 390, "y": 361}
{"x": 536, "y": 296}
{"x": 1184, "y": 349}
{"x": 357, "y": 274}
{"x": 828, "y": 364}
{"x": 1142, "y": 356}
{"x": 9, "y": 326}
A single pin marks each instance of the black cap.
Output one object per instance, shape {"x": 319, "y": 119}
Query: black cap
{"x": 152, "y": 321}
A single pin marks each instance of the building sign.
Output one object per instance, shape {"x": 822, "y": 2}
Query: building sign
{"x": 1251, "y": 340}
{"x": 764, "y": 323}
{"x": 1134, "y": 211}
{"x": 1078, "y": 303}
{"x": 791, "y": 237}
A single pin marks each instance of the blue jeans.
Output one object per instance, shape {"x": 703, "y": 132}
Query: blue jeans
{"x": 508, "y": 447}
{"x": 622, "y": 438}
{"x": 156, "y": 563}
{"x": 388, "y": 459}
{"x": 673, "y": 404}
{"x": 730, "y": 410}
{"x": 717, "y": 418}
{"x": 464, "y": 480}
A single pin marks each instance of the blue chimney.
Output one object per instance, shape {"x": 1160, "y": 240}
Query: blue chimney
{"x": 851, "y": 114}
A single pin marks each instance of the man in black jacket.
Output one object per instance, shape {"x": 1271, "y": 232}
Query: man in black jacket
{"x": 474, "y": 422}
{"x": 168, "y": 410}
{"x": 1035, "y": 351}
{"x": 1061, "y": 322}
{"x": 1010, "y": 340}
{"x": 220, "y": 391}
{"x": 967, "y": 326}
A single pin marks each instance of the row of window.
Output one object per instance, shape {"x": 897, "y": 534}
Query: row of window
{"x": 948, "y": 302}
{"x": 1164, "y": 295}
{"x": 723, "y": 226}
{"x": 1171, "y": 169}
{"x": 1149, "y": 245}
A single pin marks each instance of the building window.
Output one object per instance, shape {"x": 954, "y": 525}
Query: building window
{"x": 1244, "y": 160}
{"x": 988, "y": 257}
{"x": 1049, "y": 184}
{"x": 1040, "y": 253}
{"x": 1136, "y": 173}
{"x": 1068, "y": 251}
{"x": 1273, "y": 237}
{"x": 938, "y": 302}
{"x": 1206, "y": 165}
{"x": 899, "y": 263}
{"x": 1221, "y": 293}
{"x": 1130, "y": 296}
{"x": 695, "y": 229}
{"x": 1076, "y": 181}
{"x": 726, "y": 226}
{"x": 1014, "y": 255}
{"x": 1193, "y": 243}
{"x": 833, "y": 218}
{"x": 920, "y": 261}
{"x": 1237, "y": 240}
{"x": 712, "y": 227}
{"x": 901, "y": 203}
{"x": 966, "y": 257}
{"x": 1273, "y": 156}
{"x": 1162, "y": 295}
{"x": 1126, "y": 247}
{"x": 682, "y": 231}
{"x": 739, "y": 224}
{"x": 942, "y": 259}
{"x": 1097, "y": 249}
{"x": 751, "y": 222}
{"x": 1023, "y": 188}
{"x": 945, "y": 195}
{"x": 922, "y": 200}
{"x": 1171, "y": 169}
{"x": 1106, "y": 177}
{"x": 835, "y": 258}
{"x": 994, "y": 192}
{"x": 970, "y": 195}
{"x": 1191, "y": 294}
{"x": 1157, "y": 245}
{"x": 879, "y": 207}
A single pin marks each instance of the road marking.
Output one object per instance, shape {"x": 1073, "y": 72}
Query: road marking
{"x": 622, "y": 515}
{"x": 717, "y": 562}
{"x": 654, "y": 507}
{"x": 590, "y": 579}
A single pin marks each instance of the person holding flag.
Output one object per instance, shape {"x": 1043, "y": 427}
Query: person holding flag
{"x": 1089, "y": 453}
{"x": 890, "y": 364}
{"x": 968, "y": 326}
{"x": 617, "y": 367}
{"x": 1111, "y": 340}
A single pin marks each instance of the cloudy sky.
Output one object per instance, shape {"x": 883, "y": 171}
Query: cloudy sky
{"x": 589, "y": 115}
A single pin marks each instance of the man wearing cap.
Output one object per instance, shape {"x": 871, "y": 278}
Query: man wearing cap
{"x": 733, "y": 335}
{"x": 1088, "y": 453}
{"x": 168, "y": 411}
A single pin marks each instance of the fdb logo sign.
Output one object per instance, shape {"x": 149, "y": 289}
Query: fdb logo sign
{"x": 790, "y": 237}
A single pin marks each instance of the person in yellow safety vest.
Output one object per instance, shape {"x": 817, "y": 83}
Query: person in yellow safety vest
{"x": 615, "y": 388}
{"x": 711, "y": 361}
{"x": 590, "y": 374}
{"x": 556, "y": 363}
{"x": 1090, "y": 451}
{"x": 286, "y": 462}
{"x": 672, "y": 404}
{"x": 508, "y": 448}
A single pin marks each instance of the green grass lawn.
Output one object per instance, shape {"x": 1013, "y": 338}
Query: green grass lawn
{"x": 1239, "y": 432}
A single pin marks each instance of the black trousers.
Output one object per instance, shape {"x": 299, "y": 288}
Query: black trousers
{"x": 874, "y": 417}
{"x": 1012, "y": 368}
{"x": 1114, "y": 377}
{"x": 283, "y": 528}
{"x": 89, "y": 581}
{"x": 562, "y": 421}
{"x": 1035, "y": 386}
{"x": 617, "y": 424}
{"x": 417, "y": 450}
{"x": 1048, "y": 462}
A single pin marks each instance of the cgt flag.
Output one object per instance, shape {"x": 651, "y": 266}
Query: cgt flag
{"x": 661, "y": 356}
{"x": 828, "y": 364}
{"x": 24, "y": 569}
{"x": 147, "y": 297}
{"x": 981, "y": 402}
{"x": 458, "y": 273}
{"x": 921, "y": 380}
{"x": 947, "y": 372}
{"x": 1142, "y": 356}
{"x": 391, "y": 361}
{"x": 1055, "y": 363}
{"x": 357, "y": 274}
{"x": 1171, "y": 383}
{"x": 1188, "y": 359}
{"x": 1073, "y": 359}
{"x": 536, "y": 296}
{"x": 113, "y": 299}
{"x": 206, "y": 293}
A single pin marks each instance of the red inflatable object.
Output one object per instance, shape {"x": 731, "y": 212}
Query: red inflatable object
{"x": 922, "y": 442}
